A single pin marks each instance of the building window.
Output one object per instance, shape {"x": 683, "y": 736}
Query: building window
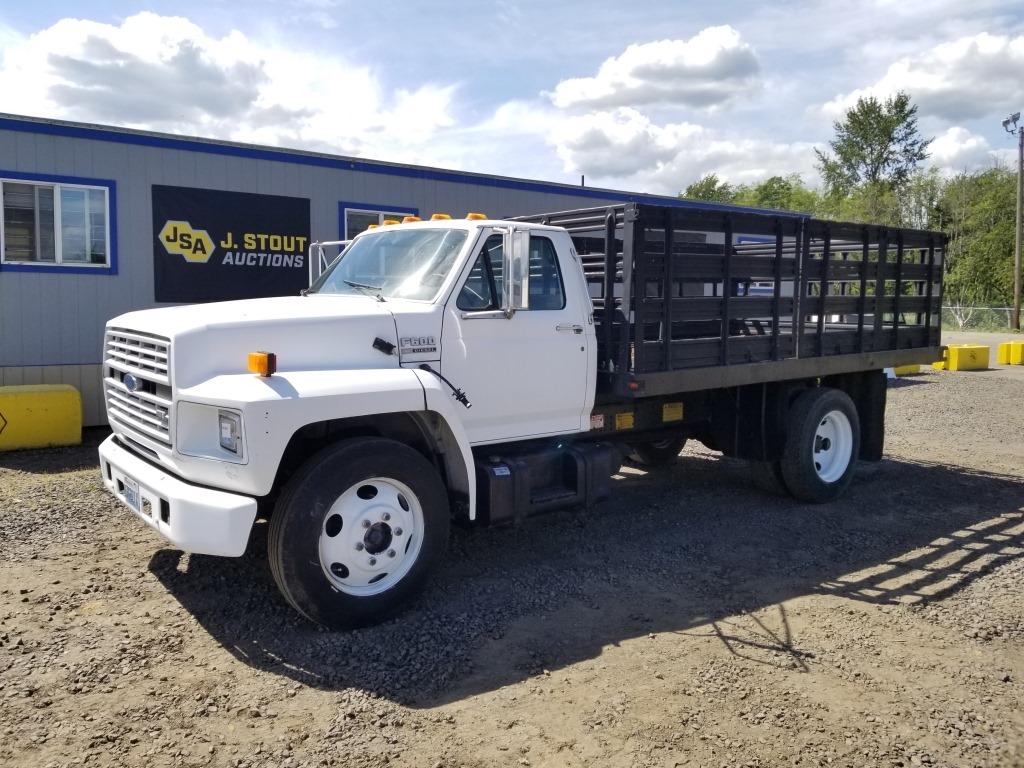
{"x": 54, "y": 224}
{"x": 356, "y": 218}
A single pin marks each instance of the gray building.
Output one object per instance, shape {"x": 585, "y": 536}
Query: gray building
{"x": 97, "y": 221}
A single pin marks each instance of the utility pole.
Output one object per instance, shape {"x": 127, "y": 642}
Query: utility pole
{"x": 1015, "y": 319}
{"x": 1019, "y": 132}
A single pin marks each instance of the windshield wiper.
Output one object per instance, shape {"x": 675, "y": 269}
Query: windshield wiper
{"x": 374, "y": 290}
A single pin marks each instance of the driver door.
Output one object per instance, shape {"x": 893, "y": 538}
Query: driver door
{"x": 526, "y": 375}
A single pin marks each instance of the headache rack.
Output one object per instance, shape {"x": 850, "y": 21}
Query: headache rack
{"x": 706, "y": 297}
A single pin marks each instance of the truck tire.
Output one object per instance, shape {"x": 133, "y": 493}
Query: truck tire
{"x": 822, "y": 446}
{"x": 357, "y": 530}
{"x": 657, "y": 453}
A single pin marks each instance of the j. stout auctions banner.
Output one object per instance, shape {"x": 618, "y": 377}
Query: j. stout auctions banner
{"x": 211, "y": 245}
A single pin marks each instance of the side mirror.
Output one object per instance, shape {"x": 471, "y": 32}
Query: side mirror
{"x": 516, "y": 271}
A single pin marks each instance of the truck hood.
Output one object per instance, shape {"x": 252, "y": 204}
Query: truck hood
{"x": 305, "y": 332}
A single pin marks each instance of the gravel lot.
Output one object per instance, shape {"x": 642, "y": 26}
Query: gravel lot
{"x": 693, "y": 619}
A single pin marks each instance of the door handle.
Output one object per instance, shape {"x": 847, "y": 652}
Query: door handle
{"x": 569, "y": 327}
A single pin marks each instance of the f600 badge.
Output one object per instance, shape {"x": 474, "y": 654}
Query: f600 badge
{"x": 414, "y": 345}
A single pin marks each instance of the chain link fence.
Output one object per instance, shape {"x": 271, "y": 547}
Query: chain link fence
{"x": 963, "y": 318}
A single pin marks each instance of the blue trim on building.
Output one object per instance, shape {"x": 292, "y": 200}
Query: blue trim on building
{"x": 342, "y": 205}
{"x": 342, "y": 163}
{"x": 111, "y": 185}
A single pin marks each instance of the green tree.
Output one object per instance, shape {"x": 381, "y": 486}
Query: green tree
{"x": 709, "y": 187}
{"x": 877, "y": 143}
{"x": 978, "y": 211}
{"x": 870, "y": 203}
{"x": 919, "y": 200}
{"x": 915, "y": 204}
{"x": 779, "y": 192}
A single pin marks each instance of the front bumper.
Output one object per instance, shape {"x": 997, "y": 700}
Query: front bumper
{"x": 196, "y": 519}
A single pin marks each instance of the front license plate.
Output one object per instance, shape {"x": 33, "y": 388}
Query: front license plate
{"x": 131, "y": 494}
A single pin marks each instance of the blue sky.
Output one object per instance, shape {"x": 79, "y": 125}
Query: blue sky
{"x": 641, "y": 96}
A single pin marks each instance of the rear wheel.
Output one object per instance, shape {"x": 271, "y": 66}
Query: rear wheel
{"x": 657, "y": 453}
{"x": 356, "y": 532}
{"x": 822, "y": 445}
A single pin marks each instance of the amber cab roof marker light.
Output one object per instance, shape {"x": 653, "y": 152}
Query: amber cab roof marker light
{"x": 263, "y": 363}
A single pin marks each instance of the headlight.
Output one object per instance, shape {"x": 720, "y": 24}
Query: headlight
{"x": 209, "y": 432}
{"x": 230, "y": 428}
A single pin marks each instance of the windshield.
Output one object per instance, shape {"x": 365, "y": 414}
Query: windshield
{"x": 397, "y": 263}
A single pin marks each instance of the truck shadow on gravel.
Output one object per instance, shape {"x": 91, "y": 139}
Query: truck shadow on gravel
{"x": 694, "y": 546}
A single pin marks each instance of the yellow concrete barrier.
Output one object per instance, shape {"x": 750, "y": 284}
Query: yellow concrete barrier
{"x": 1010, "y": 353}
{"x": 906, "y": 370}
{"x": 38, "y": 415}
{"x": 964, "y": 357}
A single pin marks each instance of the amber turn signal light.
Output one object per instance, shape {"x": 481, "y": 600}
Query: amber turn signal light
{"x": 263, "y": 363}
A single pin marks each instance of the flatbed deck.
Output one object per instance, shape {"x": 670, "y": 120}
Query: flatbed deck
{"x": 704, "y": 299}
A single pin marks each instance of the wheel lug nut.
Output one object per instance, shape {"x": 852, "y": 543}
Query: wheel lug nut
{"x": 391, "y": 553}
{"x": 373, "y": 561}
{"x": 366, "y": 523}
{"x": 386, "y": 516}
{"x": 398, "y": 531}
{"x": 359, "y": 546}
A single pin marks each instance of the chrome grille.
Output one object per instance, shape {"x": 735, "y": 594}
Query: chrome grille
{"x": 139, "y": 353}
{"x": 141, "y": 412}
{"x": 137, "y": 384}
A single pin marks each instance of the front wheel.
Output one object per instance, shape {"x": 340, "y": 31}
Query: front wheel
{"x": 356, "y": 532}
{"x": 822, "y": 445}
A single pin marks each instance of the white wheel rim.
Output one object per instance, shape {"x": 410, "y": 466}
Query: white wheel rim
{"x": 833, "y": 446}
{"x": 371, "y": 536}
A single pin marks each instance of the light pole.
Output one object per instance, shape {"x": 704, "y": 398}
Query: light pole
{"x": 1010, "y": 124}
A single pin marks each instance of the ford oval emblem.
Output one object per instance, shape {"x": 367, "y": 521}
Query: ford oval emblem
{"x": 130, "y": 382}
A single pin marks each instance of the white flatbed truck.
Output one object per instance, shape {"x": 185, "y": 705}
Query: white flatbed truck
{"x": 486, "y": 370}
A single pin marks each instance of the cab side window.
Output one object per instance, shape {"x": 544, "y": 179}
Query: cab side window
{"x": 482, "y": 289}
{"x": 546, "y": 290}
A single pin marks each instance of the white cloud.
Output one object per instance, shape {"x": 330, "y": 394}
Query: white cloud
{"x": 709, "y": 69}
{"x": 321, "y": 13}
{"x": 619, "y": 143}
{"x": 625, "y": 147}
{"x": 166, "y": 73}
{"x": 653, "y": 118}
{"x": 957, "y": 149}
{"x": 963, "y": 79}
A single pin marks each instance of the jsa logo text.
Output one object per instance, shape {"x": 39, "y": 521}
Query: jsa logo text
{"x": 180, "y": 239}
